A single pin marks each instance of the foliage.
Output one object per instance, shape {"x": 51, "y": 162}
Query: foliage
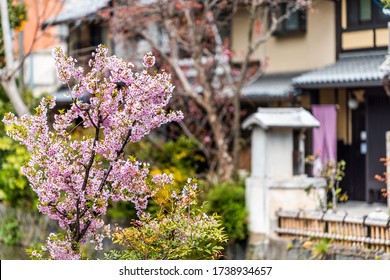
{"x": 36, "y": 251}
{"x": 13, "y": 185}
{"x": 386, "y": 3}
{"x": 178, "y": 156}
{"x": 321, "y": 248}
{"x": 228, "y": 200}
{"x": 10, "y": 232}
{"x": 17, "y": 17}
{"x": 14, "y": 188}
{"x": 180, "y": 230}
{"x": 333, "y": 173}
{"x": 313, "y": 249}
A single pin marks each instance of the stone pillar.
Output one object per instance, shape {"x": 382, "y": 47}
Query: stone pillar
{"x": 256, "y": 194}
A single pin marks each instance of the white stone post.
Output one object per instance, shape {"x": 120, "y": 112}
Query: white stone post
{"x": 256, "y": 192}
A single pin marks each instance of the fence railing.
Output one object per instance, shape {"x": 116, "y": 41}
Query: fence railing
{"x": 365, "y": 232}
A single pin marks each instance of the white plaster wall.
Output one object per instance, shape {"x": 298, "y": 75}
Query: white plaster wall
{"x": 258, "y": 159}
{"x": 279, "y": 153}
{"x": 313, "y": 49}
{"x": 290, "y": 195}
{"x": 256, "y": 203}
{"x": 264, "y": 197}
{"x": 40, "y": 73}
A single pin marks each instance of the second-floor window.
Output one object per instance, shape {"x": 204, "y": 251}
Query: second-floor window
{"x": 364, "y": 14}
{"x": 294, "y": 24}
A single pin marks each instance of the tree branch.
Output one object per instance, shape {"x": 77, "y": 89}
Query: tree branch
{"x": 200, "y": 145}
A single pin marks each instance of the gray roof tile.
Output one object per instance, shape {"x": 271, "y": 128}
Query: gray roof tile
{"x": 77, "y": 10}
{"x": 270, "y": 87}
{"x": 359, "y": 69}
{"x": 281, "y": 117}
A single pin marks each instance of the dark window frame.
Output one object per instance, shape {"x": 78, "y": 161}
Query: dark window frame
{"x": 282, "y": 29}
{"x": 353, "y": 17}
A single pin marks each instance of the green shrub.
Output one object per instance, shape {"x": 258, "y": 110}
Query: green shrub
{"x": 181, "y": 230}
{"x": 14, "y": 187}
{"x": 10, "y": 233}
{"x": 228, "y": 200}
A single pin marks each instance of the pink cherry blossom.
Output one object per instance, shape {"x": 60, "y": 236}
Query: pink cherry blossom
{"x": 75, "y": 179}
{"x": 149, "y": 60}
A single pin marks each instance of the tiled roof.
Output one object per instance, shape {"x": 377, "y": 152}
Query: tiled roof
{"x": 270, "y": 87}
{"x": 358, "y": 69}
{"x": 281, "y": 117}
{"x": 74, "y": 10}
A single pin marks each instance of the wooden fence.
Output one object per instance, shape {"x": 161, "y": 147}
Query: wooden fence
{"x": 363, "y": 232}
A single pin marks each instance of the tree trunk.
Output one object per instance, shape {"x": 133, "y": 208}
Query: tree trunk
{"x": 225, "y": 166}
{"x": 9, "y": 83}
{"x": 12, "y": 92}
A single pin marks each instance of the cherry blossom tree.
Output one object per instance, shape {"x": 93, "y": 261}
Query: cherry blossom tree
{"x": 75, "y": 179}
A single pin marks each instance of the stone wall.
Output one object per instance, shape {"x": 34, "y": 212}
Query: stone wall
{"x": 32, "y": 227}
{"x": 261, "y": 247}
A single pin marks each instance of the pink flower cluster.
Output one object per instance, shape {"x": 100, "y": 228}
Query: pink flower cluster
{"x": 75, "y": 179}
{"x": 149, "y": 60}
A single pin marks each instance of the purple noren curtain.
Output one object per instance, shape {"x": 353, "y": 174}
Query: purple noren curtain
{"x": 325, "y": 137}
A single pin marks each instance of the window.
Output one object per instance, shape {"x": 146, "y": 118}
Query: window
{"x": 363, "y": 14}
{"x": 294, "y": 24}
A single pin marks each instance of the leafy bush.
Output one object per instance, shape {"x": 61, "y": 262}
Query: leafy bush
{"x": 179, "y": 156}
{"x": 180, "y": 231}
{"x": 14, "y": 187}
{"x": 228, "y": 200}
{"x": 10, "y": 232}
{"x": 333, "y": 173}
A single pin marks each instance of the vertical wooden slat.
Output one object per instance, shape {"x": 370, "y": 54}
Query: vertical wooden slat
{"x": 348, "y": 233}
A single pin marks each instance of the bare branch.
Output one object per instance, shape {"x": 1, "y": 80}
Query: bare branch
{"x": 200, "y": 145}
{"x": 37, "y": 34}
